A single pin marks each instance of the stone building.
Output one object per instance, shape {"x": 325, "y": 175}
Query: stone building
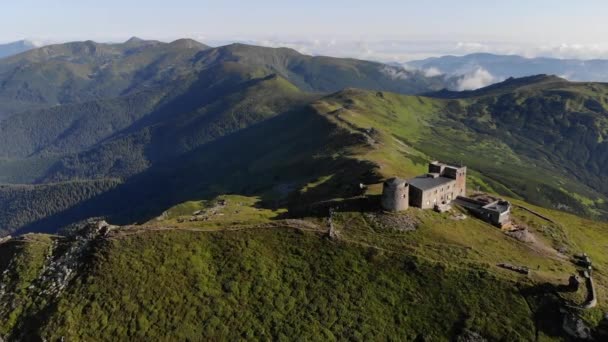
{"x": 492, "y": 210}
{"x": 440, "y": 186}
{"x": 395, "y": 195}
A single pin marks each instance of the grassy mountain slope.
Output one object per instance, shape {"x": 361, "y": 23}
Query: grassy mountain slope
{"x": 244, "y": 273}
{"x": 553, "y": 122}
{"x": 304, "y": 147}
{"x": 530, "y": 149}
{"x": 260, "y": 266}
{"x": 324, "y": 74}
{"x": 276, "y": 284}
{"x": 350, "y": 129}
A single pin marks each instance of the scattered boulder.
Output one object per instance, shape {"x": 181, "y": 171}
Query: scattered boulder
{"x": 163, "y": 216}
{"x": 518, "y": 269}
{"x": 470, "y": 336}
{"x": 332, "y": 232}
{"x": 522, "y": 235}
{"x": 458, "y": 217}
{"x": 396, "y": 221}
{"x": 575, "y": 327}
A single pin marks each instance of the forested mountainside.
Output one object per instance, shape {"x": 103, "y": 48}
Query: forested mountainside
{"x": 88, "y": 71}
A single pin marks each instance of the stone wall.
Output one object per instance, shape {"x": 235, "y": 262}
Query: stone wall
{"x": 439, "y": 195}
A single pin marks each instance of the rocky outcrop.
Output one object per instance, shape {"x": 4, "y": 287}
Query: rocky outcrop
{"x": 332, "y": 232}
{"x": 60, "y": 269}
{"x": 575, "y": 326}
{"x": 522, "y": 235}
{"x": 205, "y": 214}
{"x": 518, "y": 269}
{"x": 402, "y": 222}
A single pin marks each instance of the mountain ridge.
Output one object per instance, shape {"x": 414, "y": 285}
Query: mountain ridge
{"x": 497, "y": 67}
{"x": 17, "y": 47}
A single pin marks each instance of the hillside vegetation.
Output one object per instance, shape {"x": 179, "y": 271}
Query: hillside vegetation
{"x": 536, "y": 138}
{"x": 248, "y": 199}
{"x": 245, "y": 273}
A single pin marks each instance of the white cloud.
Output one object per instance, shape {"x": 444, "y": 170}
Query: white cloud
{"x": 395, "y": 73}
{"x": 479, "y": 78}
{"x": 407, "y": 50}
{"x": 431, "y": 72}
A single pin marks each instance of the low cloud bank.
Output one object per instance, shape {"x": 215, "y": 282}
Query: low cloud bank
{"x": 396, "y": 73}
{"x": 431, "y": 72}
{"x": 476, "y": 79}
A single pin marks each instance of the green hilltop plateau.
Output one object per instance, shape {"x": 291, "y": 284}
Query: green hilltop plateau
{"x": 242, "y": 189}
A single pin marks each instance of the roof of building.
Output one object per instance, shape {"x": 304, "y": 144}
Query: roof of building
{"x": 426, "y": 183}
{"x": 395, "y": 181}
{"x": 498, "y": 206}
{"x": 438, "y": 163}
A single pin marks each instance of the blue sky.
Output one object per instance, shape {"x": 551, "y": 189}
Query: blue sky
{"x": 578, "y": 25}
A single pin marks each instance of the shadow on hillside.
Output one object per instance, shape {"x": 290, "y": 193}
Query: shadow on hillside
{"x": 545, "y": 303}
{"x": 296, "y": 147}
{"x": 322, "y": 209}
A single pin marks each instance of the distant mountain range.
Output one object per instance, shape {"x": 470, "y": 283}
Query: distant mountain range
{"x": 467, "y": 72}
{"x": 480, "y": 69}
{"x": 17, "y": 47}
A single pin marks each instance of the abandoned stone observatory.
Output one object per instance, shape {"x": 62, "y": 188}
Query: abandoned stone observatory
{"x": 438, "y": 188}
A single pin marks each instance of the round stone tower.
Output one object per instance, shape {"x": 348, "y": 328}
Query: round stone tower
{"x": 395, "y": 194}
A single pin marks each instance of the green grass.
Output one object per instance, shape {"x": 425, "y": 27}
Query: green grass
{"x": 278, "y": 284}
{"x": 23, "y": 262}
{"x": 411, "y": 130}
{"x": 237, "y": 210}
